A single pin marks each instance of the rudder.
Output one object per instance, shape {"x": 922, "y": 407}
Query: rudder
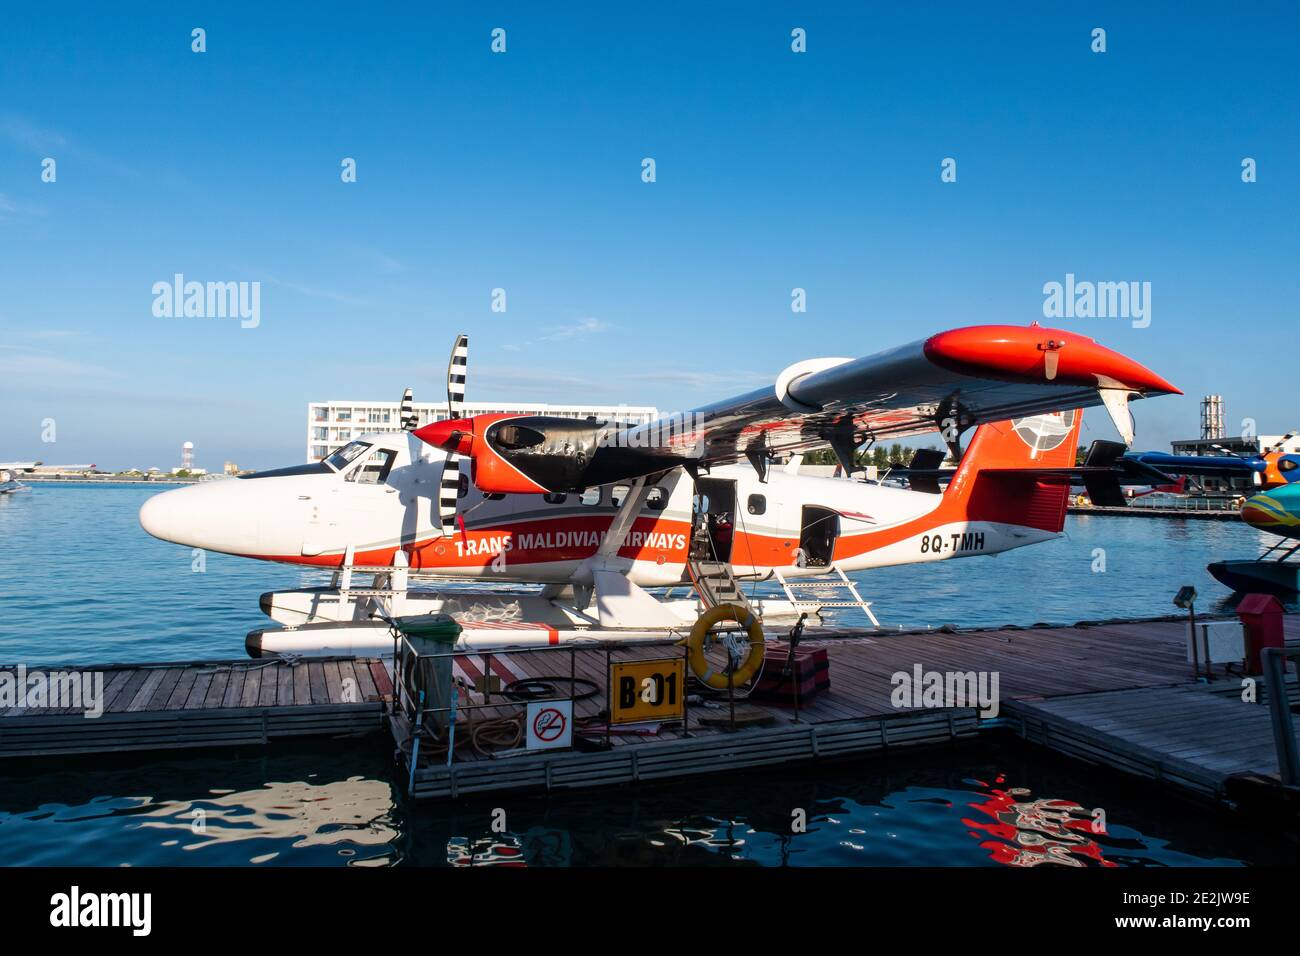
{"x": 987, "y": 485}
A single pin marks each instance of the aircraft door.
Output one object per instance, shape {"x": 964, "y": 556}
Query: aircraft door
{"x": 713, "y": 519}
{"x": 818, "y": 530}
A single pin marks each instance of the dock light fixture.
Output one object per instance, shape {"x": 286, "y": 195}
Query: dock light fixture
{"x": 1186, "y": 598}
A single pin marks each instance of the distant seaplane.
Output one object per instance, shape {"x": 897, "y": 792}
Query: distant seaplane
{"x": 9, "y": 472}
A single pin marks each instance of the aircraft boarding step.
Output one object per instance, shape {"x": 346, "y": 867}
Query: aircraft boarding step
{"x": 716, "y": 585}
{"x": 388, "y": 580}
{"x": 842, "y": 584}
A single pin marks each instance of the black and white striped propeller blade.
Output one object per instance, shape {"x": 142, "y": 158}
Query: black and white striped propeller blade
{"x": 449, "y": 492}
{"x": 407, "y": 414}
{"x": 449, "y": 495}
{"x": 456, "y": 370}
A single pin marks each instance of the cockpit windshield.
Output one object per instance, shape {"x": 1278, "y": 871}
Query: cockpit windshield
{"x": 347, "y": 454}
{"x": 375, "y": 469}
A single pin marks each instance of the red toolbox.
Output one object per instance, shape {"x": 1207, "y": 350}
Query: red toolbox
{"x": 810, "y": 675}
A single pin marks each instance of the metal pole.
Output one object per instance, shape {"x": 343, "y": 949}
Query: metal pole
{"x": 397, "y": 676}
{"x": 686, "y": 697}
{"x": 1196, "y": 657}
{"x": 487, "y": 679}
{"x": 1279, "y": 705}
{"x": 609, "y": 703}
{"x": 731, "y": 690}
{"x": 415, "y": 744}
{"x": 797, "y": 678}
{"x": 451, "y": 724}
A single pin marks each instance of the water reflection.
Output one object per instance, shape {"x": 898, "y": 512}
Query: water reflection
{"x": 1036, "y": 832}
{"x": 331, "y": 805}
{"x": 351, "y": 815}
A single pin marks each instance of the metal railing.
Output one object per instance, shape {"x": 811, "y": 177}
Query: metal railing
{"x": 1279, "y": 704}
{"x": 1159, "y": 502}
{"x": 411, "y": 699}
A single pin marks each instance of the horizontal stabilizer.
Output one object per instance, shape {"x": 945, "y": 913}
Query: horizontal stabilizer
{"x": 924, "y": 472}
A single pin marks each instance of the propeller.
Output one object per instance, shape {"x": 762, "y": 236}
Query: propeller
{"x": 1229, "y": 452}
{"x": 511, "y": 454}
{"x": 407, "y": 414}
{"x": 1280, "y": 443}
{"x": 456, "y": 369}
{"x": 449, "y": 490}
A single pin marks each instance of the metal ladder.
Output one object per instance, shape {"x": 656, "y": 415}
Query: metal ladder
{"x": 843, "y": 582}
{"x": 715, "y": 583}
{"x": 395, "y": 574}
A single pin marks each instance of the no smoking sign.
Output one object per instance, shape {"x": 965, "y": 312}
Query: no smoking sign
{"x": 550, "y": 725}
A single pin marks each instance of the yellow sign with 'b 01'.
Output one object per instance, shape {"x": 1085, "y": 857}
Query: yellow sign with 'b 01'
{"x": 647, "y": 690}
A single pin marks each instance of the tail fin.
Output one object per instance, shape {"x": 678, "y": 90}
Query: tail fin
{"x": 987, "y": 484}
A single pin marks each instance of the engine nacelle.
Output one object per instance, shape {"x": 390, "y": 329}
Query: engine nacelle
{"x": 522, "y": 454}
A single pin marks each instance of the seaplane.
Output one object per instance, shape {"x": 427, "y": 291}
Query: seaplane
{"x": 9, "y": 472}
{"x": 538, "y": 529}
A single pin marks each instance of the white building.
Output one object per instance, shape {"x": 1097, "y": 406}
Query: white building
{"x": 331, "y": 425}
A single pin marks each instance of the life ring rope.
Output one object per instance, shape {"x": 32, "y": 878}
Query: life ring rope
{"x": 700, "y": 634}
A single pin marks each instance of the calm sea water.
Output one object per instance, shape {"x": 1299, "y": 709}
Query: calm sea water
{"x": 80, "y": 582}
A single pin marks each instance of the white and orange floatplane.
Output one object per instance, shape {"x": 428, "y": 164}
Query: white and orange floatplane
{"x": 596, "y": 514}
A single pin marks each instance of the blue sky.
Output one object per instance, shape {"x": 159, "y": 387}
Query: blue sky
{"x": 522, "y": 171}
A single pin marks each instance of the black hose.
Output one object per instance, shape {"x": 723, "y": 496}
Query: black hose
{"x": 540, "y": 688}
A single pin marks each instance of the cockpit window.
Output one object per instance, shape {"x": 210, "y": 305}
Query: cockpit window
{"x": 374, "y": 470}
{"x": 346, "y": 455}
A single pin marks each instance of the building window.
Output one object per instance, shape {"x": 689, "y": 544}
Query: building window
{"x": 757, "y": 504}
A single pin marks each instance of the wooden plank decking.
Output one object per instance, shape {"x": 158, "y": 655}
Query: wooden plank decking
{"x": 203, "y": 704}
{"x": 1145, "y": 660}
{"x": 1117, "y": 693}
{"x": 1185, "y": 736}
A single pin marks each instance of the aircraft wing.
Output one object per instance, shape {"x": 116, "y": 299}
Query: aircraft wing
{"x": 949, "y": 382}
{"x": 1225, "y": 466}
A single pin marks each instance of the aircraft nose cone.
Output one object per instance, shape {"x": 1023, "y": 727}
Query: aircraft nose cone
{"x": 450, "y": 434}
{"x": 158, "y": 516}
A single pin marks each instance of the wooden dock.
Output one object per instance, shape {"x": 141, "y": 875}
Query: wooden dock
{"x": 204, "y": 704}
{"x": 1117, "y": 693}
{"x": 1186, "y": 736}
{"x": 1102, "y": 693}
{"x": 1138, "y": 511}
